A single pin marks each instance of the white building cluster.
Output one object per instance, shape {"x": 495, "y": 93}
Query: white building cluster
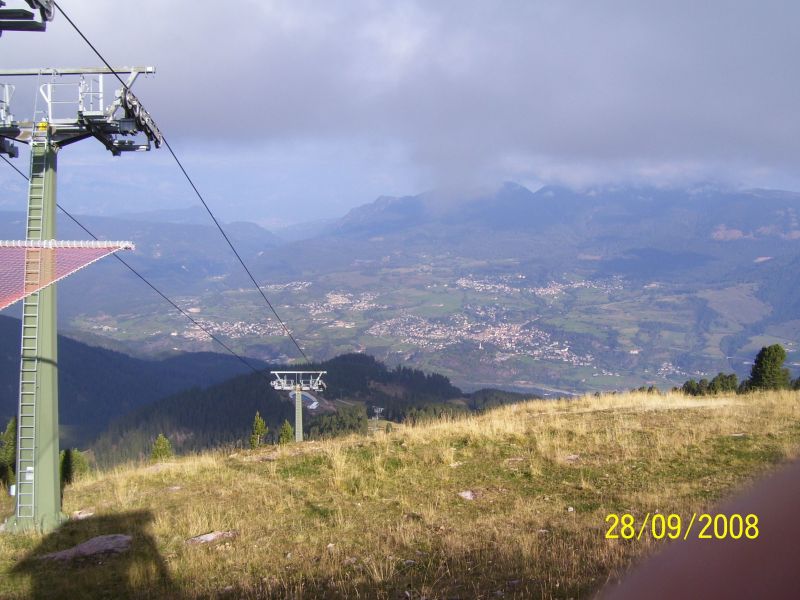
{"x": 514, "y": 338}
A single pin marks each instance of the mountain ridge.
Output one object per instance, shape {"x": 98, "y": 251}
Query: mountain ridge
{"x": 513, "y": 205}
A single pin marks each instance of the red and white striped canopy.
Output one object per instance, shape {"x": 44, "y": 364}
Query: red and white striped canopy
{"x": 29, "y": 266}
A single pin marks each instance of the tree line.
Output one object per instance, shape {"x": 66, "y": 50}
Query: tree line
{"x": 767, "y": 373}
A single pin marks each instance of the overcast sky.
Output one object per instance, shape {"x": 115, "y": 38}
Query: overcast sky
{"x": 289, "y": 111}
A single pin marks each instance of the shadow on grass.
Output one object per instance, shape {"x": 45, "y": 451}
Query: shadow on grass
{"x": 438, "y": 572}
{"x": 140, "y": 572}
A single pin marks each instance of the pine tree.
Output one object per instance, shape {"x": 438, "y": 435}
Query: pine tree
{"x": 259, "y": 431}
{"x": 162, "y": 449}
{"x": 74, "y": 465}
{"x": 768, "y": 372}
{"x": 286, "y": 433}
{"x": 723, "y": 383}
{"x": 690, "y": 388}
{"x": 8, "y": 452}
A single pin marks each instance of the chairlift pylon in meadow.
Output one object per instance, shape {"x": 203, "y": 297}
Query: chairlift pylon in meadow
{"x": 298, "y": 382}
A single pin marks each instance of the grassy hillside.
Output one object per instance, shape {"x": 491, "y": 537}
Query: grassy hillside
{"x": 381, "y": 516}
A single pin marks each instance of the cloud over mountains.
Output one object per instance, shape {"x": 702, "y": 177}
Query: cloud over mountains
{"x": 453, "y": 93}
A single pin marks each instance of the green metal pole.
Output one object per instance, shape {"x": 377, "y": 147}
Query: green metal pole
{"x": 38, "y": 495}
{"x": 298, "y": 414}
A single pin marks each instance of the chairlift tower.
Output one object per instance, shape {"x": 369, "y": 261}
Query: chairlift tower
{"x": 298, "y": 382}
{"x": 75, "y": 106}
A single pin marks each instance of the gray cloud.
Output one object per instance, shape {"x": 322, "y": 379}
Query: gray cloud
{"x": 570, "y": 91}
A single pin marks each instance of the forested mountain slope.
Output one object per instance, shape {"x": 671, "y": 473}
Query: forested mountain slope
{"x": 98, "y": 385}
{"x": 197, "y": 419}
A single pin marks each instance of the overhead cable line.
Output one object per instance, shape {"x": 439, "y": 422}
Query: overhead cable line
{"x": 153, "y": 287}
{"x": 227, "y": 239}
{"x": 13, "y": 166}
{"x": 197, "y": 193}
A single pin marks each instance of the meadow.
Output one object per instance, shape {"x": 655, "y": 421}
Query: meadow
{"x": 511, "y": 503}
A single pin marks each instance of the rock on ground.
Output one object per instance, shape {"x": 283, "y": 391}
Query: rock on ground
{"x": 115, "y": 543}
{"x": 212, "y": 536}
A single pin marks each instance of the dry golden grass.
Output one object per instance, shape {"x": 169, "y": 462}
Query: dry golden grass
{"x": 379, "y": 516}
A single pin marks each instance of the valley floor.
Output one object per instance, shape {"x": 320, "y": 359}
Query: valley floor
{"x": 507, "y": 504}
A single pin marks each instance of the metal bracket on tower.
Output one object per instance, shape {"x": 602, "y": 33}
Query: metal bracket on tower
{"x": 77, "y": 106}
{"x": 20, "y": 19}
{"x": 305, "y": 380}
{"x": 6, "y": 119}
